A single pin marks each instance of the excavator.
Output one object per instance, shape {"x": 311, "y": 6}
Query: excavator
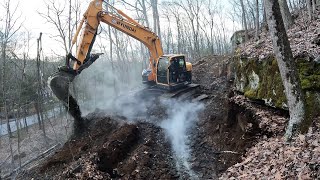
{"x": 169, "y": 72}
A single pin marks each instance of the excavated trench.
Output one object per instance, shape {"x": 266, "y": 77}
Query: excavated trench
{"x": 171, "y": 139}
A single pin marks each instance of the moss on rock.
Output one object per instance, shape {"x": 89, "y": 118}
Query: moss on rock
{"x": 270, "y": 85}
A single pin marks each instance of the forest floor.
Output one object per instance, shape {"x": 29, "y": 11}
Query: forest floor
{"x": 304, "y": 37}
{"x": 33, "y": 143}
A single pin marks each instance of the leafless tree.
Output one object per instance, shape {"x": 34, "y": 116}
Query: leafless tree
{"x": 11, "y": 27}
{"x": 156, "y": 21}
{"x": 286, "y": 15}
{"x": 314, "y": 4}
{"x": 39, "y": 102}
{"x": 287, "y": 67}
{"x": 309, "y": 9}
{"x": 63, "y": 18}
{"x": 192, "y": 9}
{"x": 244, "y": 20}
{"x": 257, "y": 20}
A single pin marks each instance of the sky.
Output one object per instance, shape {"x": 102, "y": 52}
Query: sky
{"x": 33, "y": 22}
{"x": 28, "y": 10}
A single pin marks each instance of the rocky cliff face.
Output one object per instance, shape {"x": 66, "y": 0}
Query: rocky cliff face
{"x": 260, "y": 80}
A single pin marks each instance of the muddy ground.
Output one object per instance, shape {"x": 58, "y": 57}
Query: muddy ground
{"x": 114, "y": 147}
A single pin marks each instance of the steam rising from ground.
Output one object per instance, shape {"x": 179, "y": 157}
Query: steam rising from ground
{"x": 96, "y": 85}
{"x": 181, "y": 117}
{"x": 100, "y": 86}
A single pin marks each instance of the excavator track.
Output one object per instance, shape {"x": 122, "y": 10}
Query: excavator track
{"x": 190, "y": 92}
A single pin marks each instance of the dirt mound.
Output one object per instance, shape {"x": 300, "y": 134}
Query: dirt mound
{"x": 111, "y": 148}
{"x": 207, "y": 71}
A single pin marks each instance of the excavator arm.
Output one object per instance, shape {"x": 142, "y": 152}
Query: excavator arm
{"x": 120, "y": 21}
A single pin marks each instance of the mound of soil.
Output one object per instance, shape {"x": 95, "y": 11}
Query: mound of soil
{"x": 111, "y": 148}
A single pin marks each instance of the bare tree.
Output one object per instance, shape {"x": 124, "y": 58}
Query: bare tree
{"x": 192, "y": 9}
{"x": 286, "y": 15}
{"x": 39, "y": 102}
{"x": 314, "y": 4}
{"x": 244, "y": 20}
{"x": 63, "y": 19}
{"x": 257, "y": 20}
{"x": 11, "y": 27}
{"x": 26, "y": 48}
{"x": 156, "y": 21}
{"x": 175, "y": 12}
{"x": 287, "y": 67}
{"x": 309, "y": 8}
{"x": 143, "y": 19}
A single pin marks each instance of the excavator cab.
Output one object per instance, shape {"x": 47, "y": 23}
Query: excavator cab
{"x": 173, "y": 72}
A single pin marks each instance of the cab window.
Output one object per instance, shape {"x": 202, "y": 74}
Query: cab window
{"x": 163, "y": 65}
{"x": 181, "y": 62}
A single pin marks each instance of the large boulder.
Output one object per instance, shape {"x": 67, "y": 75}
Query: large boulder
{"x": 260, "y": 79}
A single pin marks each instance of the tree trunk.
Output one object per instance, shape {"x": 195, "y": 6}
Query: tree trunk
{"x": 25, "y": 119}
{"x": 313, "y": 6}
{"x": 19, "y": 138}
{"x": 39, "y": 102}
{"x": 257, "y": 20}
{"x": 69, "y": 26}
{"x": 309, "y": 10}
{"x": 176, "y": 15}
{"x": 285, "y": 12}
{"x": 5, "y": 106}
{"x": 287, "y": 67}
{"x": 144, "y": 11}
{"x": 111, "y": 60}
{"x": 264, "y": 21}
{"x": 156, "y": 21}
{"x": 244, "y": 20}
{"x": 4, "y": 91}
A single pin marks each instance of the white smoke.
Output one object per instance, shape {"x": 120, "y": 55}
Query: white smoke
{"x": 97, "y": 83}
{"x": 100, "y": 87}
{"x": 181, "y": 117}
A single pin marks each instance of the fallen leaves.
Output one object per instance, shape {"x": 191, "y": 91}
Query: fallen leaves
{"x": 303, "y": 36}
{"x": 268, "y": 122}
{"x": 273, "y": 158}
{"x": 85, "y": 168}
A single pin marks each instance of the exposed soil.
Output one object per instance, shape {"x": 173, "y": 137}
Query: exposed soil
{"x": 113, "y": 148}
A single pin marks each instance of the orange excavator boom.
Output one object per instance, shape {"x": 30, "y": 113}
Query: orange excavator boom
{"x": 120, "y": 21}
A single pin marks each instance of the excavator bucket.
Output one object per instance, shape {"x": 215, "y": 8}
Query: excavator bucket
{"x": 59, "y": 84}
